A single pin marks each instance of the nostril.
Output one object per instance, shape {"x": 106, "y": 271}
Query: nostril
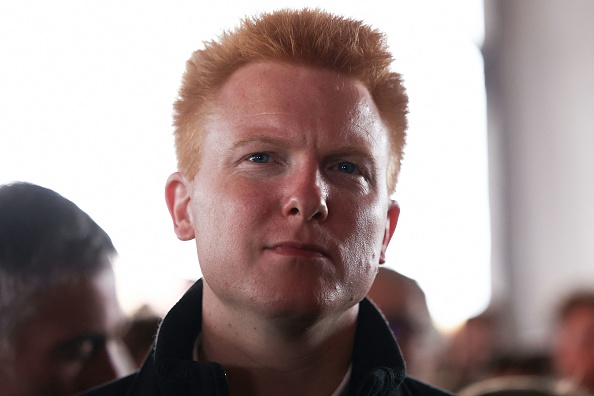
{"x": 294, "y": 211}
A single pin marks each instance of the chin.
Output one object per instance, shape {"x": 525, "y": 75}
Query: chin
{"x": 305, "y": 306}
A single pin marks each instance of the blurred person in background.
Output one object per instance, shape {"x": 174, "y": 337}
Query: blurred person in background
{"x": 60, "y": 320}
{"x": 473, "y": 361}
{"x": 470, "y": 352}
{"x": 140, "y": 333}
{"x": 573, "y": 342}
{"x": 522, "y": 385}
{"x": 404, "y": 306}
{"x": 522, "y": 363}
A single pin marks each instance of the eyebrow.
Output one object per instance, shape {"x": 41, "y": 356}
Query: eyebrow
{"x": 339, "y": 150}
{"x": 259, "y": 139}
{"x": 264, "y": 112}
{"x": 93, "y": 337}
{"x": 355, "y": 151}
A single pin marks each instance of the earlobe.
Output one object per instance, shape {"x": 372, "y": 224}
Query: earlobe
{"x": 177, "y": 195}
{"x": 391, "y": 221}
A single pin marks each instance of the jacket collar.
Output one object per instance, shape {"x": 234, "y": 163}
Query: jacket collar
{"x": 377, "y": 361}
{"x": 177, "y": 372}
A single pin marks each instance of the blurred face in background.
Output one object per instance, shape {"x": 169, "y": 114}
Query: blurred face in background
{"x": 70, "y": 343}
{"x": 403, "y": 304}
{"x": 574, "y": 347}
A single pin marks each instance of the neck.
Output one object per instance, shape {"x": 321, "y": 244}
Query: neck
{"x": 270, "y": 357}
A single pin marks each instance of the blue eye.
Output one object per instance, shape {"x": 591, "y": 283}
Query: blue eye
{"x": 347, "y": 167}
{"x": 261, "y": 158}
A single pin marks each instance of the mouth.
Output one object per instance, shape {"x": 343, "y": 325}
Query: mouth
{"x": 299, "y": 250}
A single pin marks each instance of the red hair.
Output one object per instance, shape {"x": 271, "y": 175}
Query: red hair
{"x": 312, "y": 38}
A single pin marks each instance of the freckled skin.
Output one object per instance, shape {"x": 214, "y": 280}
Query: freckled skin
{"x": 312, "y": 125}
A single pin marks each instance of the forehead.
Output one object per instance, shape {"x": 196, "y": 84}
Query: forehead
{"x": 289, "y": 81}
{"x": 311, "y": 98}
{"x": 81, "y": 307}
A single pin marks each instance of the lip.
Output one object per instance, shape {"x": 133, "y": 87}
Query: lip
{"x": 290, "y": 248}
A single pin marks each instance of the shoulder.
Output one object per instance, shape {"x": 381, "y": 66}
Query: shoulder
{"x": 115, "y": 388}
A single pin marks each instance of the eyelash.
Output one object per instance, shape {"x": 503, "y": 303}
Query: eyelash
{"x": 352, "y": 167}
{"x": 252, "y": 157}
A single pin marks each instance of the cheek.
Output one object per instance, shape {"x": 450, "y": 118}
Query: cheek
{"x": 38, "y": 372}
{"x": 365, "y": 237}
{"x": 361, "y": 248}
{"x": 229, "y": 216}
{"x": 237, "y": 202}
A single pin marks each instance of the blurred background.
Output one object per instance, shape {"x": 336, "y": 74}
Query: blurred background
{"x": 497, "y": 211}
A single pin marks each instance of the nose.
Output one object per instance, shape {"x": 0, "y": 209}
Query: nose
{"x": 307, "y": 195}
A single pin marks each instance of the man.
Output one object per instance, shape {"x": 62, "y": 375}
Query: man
{"x": 573, "y": 342}
{"x": 289, "y": 134}
{"x": 59, "y": 317}
{"x": 403, "y": 303}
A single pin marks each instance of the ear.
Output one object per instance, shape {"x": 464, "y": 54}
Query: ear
{"x": 391, "y": 221}
{"x": 177, "y": 195}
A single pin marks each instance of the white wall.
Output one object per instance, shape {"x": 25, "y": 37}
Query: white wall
{"x": 539, "y": 58}
{"x": 86, "y": 93}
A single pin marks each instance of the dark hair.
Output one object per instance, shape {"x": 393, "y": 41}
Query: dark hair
{"x": 578, "y": 299}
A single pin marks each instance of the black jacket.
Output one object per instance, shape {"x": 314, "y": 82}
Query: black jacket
{"x": 378, "y": 367}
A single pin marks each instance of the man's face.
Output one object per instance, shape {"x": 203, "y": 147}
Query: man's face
{"x": 69, "y": 344}
{"x": 290, "y": 206}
